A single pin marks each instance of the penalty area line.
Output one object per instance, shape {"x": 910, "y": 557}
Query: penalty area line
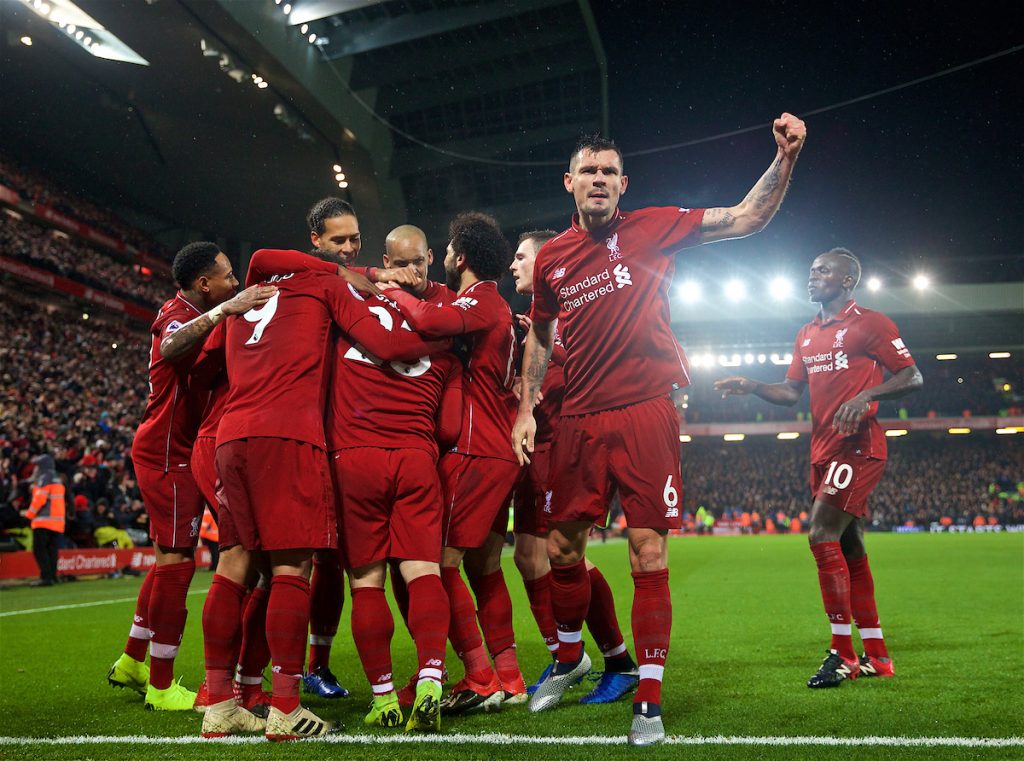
{"x": 495, "y": 738}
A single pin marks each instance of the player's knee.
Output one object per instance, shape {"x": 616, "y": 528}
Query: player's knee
{"x": 648, "y": 557}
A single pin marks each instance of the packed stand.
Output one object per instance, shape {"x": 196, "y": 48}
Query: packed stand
{"x": 31, "y": 184}
{"x": 930, "y": 478}
{"x": 56, "y": 252}
{"x": 67, "y": 390}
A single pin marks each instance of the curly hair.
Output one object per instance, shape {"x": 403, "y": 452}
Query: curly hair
{"x": 478, "y": 237}
{"x": 327, "y": 208}
{"x": 193, "y": 261}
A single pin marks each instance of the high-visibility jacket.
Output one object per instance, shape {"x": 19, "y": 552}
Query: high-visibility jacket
{"x": 208, "y": 528}
{"x": 47, "y": 508}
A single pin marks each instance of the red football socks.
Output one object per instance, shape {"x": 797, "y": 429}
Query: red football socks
{"x": 538, "y": 592}
{"x": 570, "y": 600}
{"x": 222, "y": 632}
{"x": 494, "y": 610}
{"x": 326, "y": 599}
{"x": 652, "y": 629}
{"x": 372, "y": 629}
{"x": 428, "y": 624}
{"x": 254, "y": 654}
{"x": 167, "y": 615}
{"x": 139, "y": 635}
{"x": 287, "y": 622}
{"x": 601, "y": 618}
{"x": 834, "y": 579}
{"x": 462, "y": 631}
{"x": 862, "y": 605}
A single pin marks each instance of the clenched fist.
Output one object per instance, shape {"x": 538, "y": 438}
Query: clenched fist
{"x": 790, "y": 133}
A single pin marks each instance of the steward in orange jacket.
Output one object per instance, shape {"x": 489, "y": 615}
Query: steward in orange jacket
{"x": 47, "y": 515}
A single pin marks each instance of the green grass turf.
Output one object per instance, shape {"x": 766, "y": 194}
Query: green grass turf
{"x": 748, "y": 631}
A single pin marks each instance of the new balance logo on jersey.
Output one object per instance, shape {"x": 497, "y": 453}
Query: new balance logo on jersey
{"x": 558, "y": 273}
{"x": 842, "y": 361}
{"x": 622, "y": 276}
{"x": 840, "y": 334}
{"x": 806, "y": 343}
{"x": 900, "y": 347}
{"x": 614, "y": 253}
{"x": 464, "y": 302}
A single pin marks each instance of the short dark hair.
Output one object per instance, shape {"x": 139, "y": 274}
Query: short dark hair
{"x": 851, "y": 261}
{"x": 540, "y": 236}
{"x": 594, "y": 143}
{"x": 325, "y": 209}
{"x": 478, "y": 237}
{"x": 193, "y": 261}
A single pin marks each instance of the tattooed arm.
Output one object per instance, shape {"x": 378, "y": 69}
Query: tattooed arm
{"x": 194, "y": 332}
{"x": 755, "y": 211}
{"x": 536, "y": 354}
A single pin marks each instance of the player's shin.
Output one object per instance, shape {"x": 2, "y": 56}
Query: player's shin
{"x": 167, "y": 615}
{"x": 834, "y": 580}
{"x": 428, "y": 624}
{"x": 570, "y": 600}
{"x": 863, "y": 608}
{"x": 287, "y": 622}
{"x": 652, "y": 630}
{"x": 222, "y": 632}
{"x": 372, "y": 629}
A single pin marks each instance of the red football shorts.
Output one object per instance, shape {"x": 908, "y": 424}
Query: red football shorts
{"x": 204, "y": 469}
{"x": 532, "y": 495}
{"x": 174, "y": 505}
{"x": 277, "y": 494}
{"x": 846, "y": 481}
{"x": 634, "y": 449}
{"x": 475, "y": 492}
{"x": 390, "y": 504}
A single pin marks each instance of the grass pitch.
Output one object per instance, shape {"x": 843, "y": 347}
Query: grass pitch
{"x": 748, "y": 631}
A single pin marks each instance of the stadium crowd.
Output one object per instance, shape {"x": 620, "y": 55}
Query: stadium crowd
{"x": 68, "y": 391}
{"x": 32, "y": 184}
{"x": 56, "y": 252}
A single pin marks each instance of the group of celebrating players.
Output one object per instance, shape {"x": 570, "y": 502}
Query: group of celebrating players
{"x": 341, "y": 418}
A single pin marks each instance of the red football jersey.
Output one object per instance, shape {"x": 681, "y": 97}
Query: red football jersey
{"x": 277, "y": 356}
{"x": 608, "y": 289}
{"x": 210, "y": 372}
{"x": 391, "y": 405}
{"x": 837, "y": 360}
{"x": 483, "y": 318}
{"x": 169, "y": 425}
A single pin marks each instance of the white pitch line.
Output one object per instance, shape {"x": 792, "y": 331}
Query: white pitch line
{"x": 76, "y": 605}
{"x": 494, "y": 738}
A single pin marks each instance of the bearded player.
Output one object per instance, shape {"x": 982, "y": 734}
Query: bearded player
{"x": 606, "y": 281}
{"x": 840, "y": 356}
{"x": 532, "y": 503}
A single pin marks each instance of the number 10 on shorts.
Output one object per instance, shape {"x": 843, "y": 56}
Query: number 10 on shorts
{"x": 839, "y": 475}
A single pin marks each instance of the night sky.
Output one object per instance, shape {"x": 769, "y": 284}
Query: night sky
{"x": 924, "y": 179}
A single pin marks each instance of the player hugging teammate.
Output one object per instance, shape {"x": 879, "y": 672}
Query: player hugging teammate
{"x": 378, "y": 428}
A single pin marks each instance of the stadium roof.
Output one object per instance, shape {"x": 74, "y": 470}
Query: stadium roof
{"x": 234, "y": 128}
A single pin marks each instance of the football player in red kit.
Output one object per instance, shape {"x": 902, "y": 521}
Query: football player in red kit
{"x": 840, "y": 357}
{"x": 606, "y": 280}
{"x": 162, "y": 457}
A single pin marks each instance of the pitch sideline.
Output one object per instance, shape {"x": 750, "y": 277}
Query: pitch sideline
{"x": 495, "y": 738}
{"x": 73, "y": 606}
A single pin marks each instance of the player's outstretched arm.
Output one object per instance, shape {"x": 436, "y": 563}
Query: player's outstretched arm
{"x": 449, "y": 412}
{"x": 755, "y": 211}
{"x": 194, "y": 332}
{"x": 785, "y": 394}
{"x": 536, "y": 355}
{"x": 850, "y": 413}
{"x": 434, "y": 321}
